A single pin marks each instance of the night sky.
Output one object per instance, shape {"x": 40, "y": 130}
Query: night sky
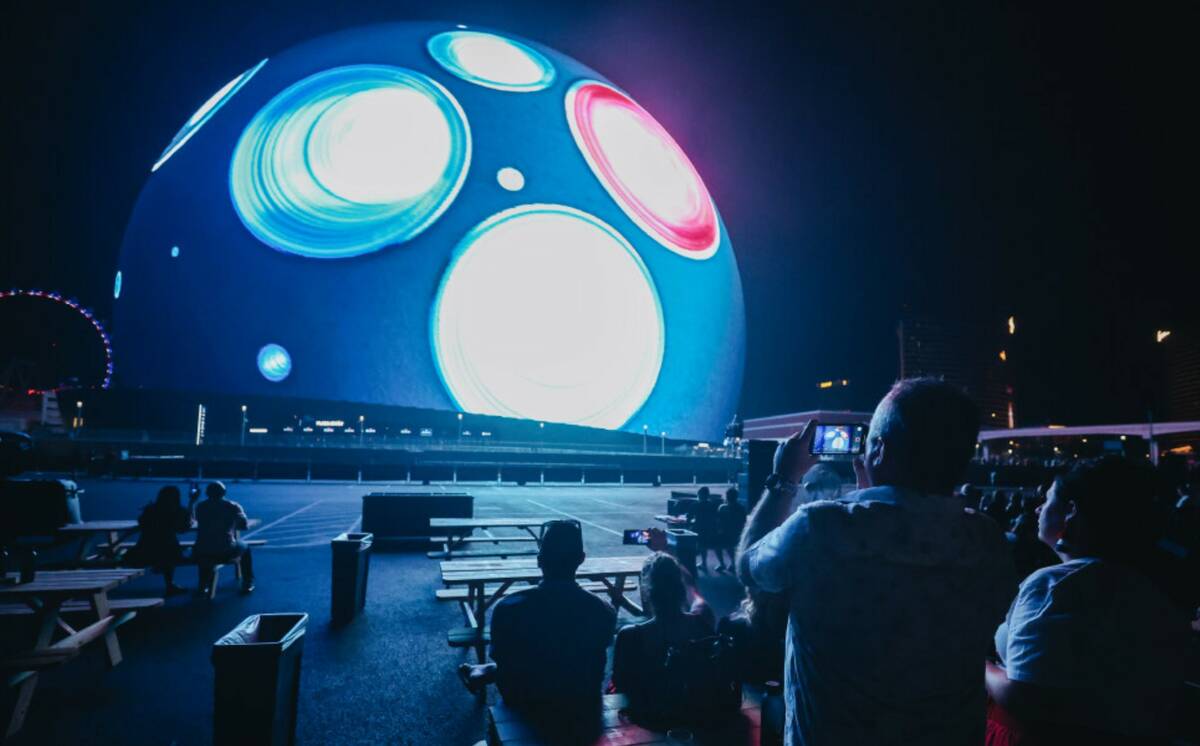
{"x": 964, "y": 162}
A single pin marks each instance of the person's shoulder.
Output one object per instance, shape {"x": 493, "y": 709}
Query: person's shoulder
{"x": 517, "y": 600}
{"x": 595, "y": 605}
{"x": 984, "y": 530}
{"x": 851, "y": 507}
{"x": 1065, "y": 584}
{"x": 635, "y": 631}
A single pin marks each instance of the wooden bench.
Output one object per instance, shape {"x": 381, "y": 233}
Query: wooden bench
{"x": 461, "y": 593}
{"x": 61, "y": 651}
{"x": 468, "y": 637}
{"x": 500, "y": 552}
{"x": 127, "y": 608}
{"x": 452, "y": 546}
{"x": 188, "y": 559}
{"x": 20, "y": 668}
{"x": 125, "y": 546}
{"x": 485, "y": 539}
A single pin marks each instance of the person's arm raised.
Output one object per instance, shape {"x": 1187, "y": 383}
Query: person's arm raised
{"x": 792, "y": 460}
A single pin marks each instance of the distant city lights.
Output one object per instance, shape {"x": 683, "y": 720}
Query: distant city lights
{"x": 1012, "y": 325}
{"x": 1160, "y": 335}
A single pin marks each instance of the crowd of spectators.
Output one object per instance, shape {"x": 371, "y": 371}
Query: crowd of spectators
{"x": 905, "y": 611}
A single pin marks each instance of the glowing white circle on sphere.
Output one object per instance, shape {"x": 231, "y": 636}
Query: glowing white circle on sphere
{"x": 547, "y": 313}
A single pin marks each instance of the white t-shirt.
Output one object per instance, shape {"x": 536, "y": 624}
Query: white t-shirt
{"x": 893, "y": 597}
{"x": 1105, "y": 630}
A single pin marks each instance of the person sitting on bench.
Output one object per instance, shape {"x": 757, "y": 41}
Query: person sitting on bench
{"x": 217, "y": 522}
{"x": 549, "y": 643}
{"x": 158, "y": 545}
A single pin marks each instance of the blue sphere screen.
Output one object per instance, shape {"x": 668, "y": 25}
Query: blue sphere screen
{"x": 435, "y": 216}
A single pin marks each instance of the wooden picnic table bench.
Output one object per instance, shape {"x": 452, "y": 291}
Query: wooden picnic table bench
{"x": 48, "y": 597}
{"x": 459, "y": 534}
{"x": 500, "y": 575}
{"x": 509, "y": 727}
{"x": 462, "y": 593}
{"x": 112, "y": 537}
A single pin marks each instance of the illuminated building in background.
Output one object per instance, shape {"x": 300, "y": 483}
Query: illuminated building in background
{"x": 975, "y": 356}
{"x": 834, "y": 394}
{"x": 1181, "y": 356}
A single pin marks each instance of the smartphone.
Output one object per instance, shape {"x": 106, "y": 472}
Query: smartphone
{"x": 839, "y": 440}
{"x": 639, "y": 536}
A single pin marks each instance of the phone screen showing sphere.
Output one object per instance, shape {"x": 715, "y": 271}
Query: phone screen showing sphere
{"x": 638, "y": 536}
{"x": 839, "y": 440}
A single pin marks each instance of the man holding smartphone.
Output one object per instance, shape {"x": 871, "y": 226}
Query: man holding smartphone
{"x": 893, "y": 590}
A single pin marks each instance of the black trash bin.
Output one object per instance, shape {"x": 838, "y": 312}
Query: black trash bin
{"x": 257, "y": 680}
{"x": 351, "y": 562}
{"x": 683, "y": 545}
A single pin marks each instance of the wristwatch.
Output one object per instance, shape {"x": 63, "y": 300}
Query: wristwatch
{"x": 776, "y": 483}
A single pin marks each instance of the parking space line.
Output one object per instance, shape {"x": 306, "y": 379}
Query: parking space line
{"x": 575, "y": 517}
{"x": 278, "y": 521}
{"x": 607, "y": 502}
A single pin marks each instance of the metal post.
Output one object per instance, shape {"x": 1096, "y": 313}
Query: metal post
{"x": 244, "y": 419}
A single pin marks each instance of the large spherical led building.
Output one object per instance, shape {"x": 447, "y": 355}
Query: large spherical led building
{"x": 434, "y": 216}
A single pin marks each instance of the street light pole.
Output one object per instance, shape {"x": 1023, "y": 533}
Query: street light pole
{"x": 244, "y": 420}
{"x": 361, "y": 420}
{"x": 663, "y": 442}
{"x": 645, "y": 435}
{"x": 460, "y": 425}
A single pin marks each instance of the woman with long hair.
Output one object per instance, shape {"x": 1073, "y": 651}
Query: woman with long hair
{"x": 640, "y": 652}
{"x": 158, "y": 545}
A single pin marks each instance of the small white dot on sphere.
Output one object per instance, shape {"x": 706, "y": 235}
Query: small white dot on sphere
{"x": 511, "y": 179}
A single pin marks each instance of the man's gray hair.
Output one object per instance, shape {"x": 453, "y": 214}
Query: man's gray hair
{"x": 932, "y": 426}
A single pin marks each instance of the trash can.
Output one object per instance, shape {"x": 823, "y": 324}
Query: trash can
{"x": 351, "y": 562}
{"x": 257, "y": 680}
{"x": 682, "y": 544}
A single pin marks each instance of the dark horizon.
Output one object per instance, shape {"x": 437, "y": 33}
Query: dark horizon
{"x": 973, "y": 163}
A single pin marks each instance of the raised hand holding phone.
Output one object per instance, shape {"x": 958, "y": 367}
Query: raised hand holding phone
{"x": 793, "y": 458}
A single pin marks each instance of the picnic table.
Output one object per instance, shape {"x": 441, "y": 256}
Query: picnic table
{"x": 115, "y": 532}
{"x": 476, "y": 575}
{"x": 113, "y": 536}
{"x": 48, "y": 597}
{"x": 671, "y": 520}
{"x": 459, "y": 533}
{"x": 507, "y": 727}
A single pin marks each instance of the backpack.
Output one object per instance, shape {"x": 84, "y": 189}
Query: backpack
{"x": 698, "y": 683}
